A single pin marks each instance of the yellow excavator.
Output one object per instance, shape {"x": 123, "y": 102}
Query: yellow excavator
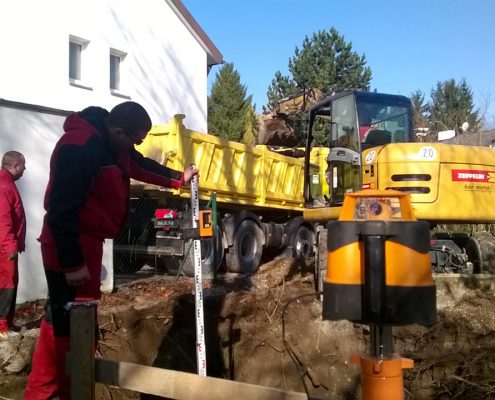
{"x": 371, "y": 146}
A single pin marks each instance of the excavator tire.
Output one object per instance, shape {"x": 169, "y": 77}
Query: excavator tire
{"x": 245, "y": 253}
{"x": 480, "y": 250}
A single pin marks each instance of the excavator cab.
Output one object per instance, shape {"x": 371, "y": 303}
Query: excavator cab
{"x": 347, "y": 124}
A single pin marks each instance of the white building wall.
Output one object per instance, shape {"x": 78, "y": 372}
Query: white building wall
{"x": 32, "y": 134}
{"x": 165, "y": 70}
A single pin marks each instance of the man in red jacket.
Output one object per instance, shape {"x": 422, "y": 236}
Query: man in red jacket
{"x": 86, "y": 201}
{"x": 12, "y": 236}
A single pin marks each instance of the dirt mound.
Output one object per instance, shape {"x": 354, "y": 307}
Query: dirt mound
{"x": 267, "y": 330}
{"x": 455, "y": 358}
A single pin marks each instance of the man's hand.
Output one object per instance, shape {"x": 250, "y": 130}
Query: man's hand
{"x": 14, "y": 256}
{"x": 189, "y": 172}
{"x": 79, "y": 277}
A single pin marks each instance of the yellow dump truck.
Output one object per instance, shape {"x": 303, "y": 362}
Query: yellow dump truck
{"x": 259, "y": 196}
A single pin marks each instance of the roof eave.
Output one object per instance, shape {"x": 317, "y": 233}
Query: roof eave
{"x": 214, "y": 56}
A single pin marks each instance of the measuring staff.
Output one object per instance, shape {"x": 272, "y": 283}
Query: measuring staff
{"x": 198, "y": 280}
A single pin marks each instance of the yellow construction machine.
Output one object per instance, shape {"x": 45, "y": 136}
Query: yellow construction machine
{"x": 370, "y": 140}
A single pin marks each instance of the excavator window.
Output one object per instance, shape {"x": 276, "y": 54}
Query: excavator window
{"x": 344, "y": 124}
{"x": 383, "y": 119}
{"x": 342, "y": 173}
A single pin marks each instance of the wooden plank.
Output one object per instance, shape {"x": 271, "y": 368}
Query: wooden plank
{"x": 81, "y": 360}
{"x": 182, "y": 385}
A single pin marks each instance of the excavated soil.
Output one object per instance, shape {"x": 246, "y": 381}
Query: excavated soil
{"x": 268, "y": 330}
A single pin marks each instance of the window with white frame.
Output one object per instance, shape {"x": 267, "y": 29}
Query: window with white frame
{"x": 117, "y": 71}
{"x": 75, "y": 50}
{"x": 77, "y": 47}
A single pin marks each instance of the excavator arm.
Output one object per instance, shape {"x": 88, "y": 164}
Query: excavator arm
{"x": 277, "y": 127}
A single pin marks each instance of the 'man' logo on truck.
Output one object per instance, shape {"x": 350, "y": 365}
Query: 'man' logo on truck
{"x": 469, "y": 175}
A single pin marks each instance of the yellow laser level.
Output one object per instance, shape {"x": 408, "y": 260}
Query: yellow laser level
{"x": 378, "y": 273}
{"x": 378, "y": 262}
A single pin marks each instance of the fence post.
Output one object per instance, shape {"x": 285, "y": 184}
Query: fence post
{"x": 81, "y": 361}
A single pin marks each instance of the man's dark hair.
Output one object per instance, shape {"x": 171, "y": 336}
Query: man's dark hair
{"x": 129, "y": 116}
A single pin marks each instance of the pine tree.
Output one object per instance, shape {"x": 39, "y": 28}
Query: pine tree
{"x": 420, "y": 114}
{"x": 229, "y": 110}
{"x": 251, "y": 126}
{"x": 325, "y": 61}
{"x": 281, "y": 87}
{"x": 451, "y": 105}
{"x": 420, "y": 110}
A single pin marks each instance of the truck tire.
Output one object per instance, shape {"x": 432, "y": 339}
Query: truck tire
{"x": 304, "y": 240}
{"x": 480, "y": 250}
{"x": 209, "y": 264}
{"x": 245, "y": 253}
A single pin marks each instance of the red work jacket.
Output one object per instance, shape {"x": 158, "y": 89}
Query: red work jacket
{"x": 12, "y": 216}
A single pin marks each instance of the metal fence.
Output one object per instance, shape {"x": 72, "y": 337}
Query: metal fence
{"x": 131, "y": 247}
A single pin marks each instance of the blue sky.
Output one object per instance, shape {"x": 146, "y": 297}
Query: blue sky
{"x": 409, "y": 45}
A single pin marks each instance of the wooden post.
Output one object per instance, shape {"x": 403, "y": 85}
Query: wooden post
{"x": 81, "y": 362}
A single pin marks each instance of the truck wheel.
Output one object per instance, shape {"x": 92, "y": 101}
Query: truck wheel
{"x": 210, "y": 265}
{"x": 302, "y": 247}
{"x": 245, "y": 253}
{"x": 480, "y": 250}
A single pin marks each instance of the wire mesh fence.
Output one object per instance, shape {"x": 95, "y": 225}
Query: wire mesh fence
{"x": 132, "y": 247}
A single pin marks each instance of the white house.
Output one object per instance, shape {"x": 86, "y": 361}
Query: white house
{"x": 64, "y": 55}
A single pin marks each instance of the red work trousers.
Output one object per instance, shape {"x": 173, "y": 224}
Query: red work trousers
{"x": 47, "y": 379}
{"x": 9, "y": 278}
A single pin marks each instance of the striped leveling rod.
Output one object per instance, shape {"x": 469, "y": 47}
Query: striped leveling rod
{"x": 198, "y": 280}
